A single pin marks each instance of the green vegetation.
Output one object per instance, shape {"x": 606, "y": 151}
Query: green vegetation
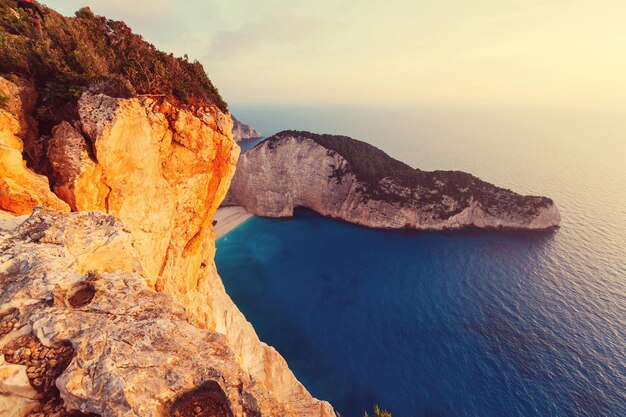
{"x": 378, "y": 413}
{"x": 64, "y": 55}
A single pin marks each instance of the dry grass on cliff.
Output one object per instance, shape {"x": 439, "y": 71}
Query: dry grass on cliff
{"x": 63, "y": 55}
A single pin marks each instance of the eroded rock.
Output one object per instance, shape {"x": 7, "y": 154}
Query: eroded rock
{"x": 122, "y": 349}
{"x": 166, "y": 170}
{"x": 162, "y": 170}
{"x": 208, "y": 400}
{"x": 82, "y": 294}
{"x": 73, "y": 169}
{"x": 21, "y": 189}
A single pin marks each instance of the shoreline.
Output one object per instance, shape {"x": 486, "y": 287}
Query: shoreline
{"x": 228, "y": 218}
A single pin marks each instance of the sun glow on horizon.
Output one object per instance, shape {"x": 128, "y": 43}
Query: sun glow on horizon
{"x": 487, "y": 52}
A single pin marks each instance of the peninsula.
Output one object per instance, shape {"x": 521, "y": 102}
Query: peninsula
{"x": 242, "y": 131}
{"x": 348, "y": 179}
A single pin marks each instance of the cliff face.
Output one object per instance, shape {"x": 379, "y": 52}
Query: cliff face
{"x": 350, "y": 180}
{"x": 243, "y": 131}
{"x": 163, "y": 171}
{"x": 81, "y": 331}
{"x": 20, "y": 188}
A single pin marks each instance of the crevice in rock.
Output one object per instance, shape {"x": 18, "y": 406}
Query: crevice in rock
{"x": 82, "y": 294}
{"x": 249, "y": 403}
{"x": 159, "y": 285}
{"x": 208, "y": 400}
{"x": 89, "y": 144}
{"x": 106, "y": 199}
{"x": 8, "y": 322}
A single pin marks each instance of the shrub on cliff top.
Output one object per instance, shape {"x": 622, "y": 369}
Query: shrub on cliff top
{"x": 64, "y": 54}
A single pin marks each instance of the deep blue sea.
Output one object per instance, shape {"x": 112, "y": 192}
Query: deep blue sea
{"x": 467, "y": 323}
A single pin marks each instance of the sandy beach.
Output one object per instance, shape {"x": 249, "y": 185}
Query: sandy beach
{"x": 8, "y": 222}
{"x": 228, "y": 218}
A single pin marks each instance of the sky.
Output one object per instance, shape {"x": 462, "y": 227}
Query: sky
{"x": 396, "y": 52}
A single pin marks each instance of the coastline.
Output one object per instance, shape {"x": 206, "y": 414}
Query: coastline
{"x": 228, "y": 218}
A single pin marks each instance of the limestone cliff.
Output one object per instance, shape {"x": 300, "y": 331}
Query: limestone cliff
{"x": 82, "y": 334}
{"x": 163, "y": 171}
{"x": 20, "y": 188}
{"x": 242, "y": 131}
{"x": 350, "y": 180}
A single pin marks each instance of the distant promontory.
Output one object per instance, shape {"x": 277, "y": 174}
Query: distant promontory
{"x": 348, "y": 179}
{"x": 242, "y": 131}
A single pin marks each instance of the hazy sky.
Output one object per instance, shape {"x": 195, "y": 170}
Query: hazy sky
{"x": 440, "y": 52}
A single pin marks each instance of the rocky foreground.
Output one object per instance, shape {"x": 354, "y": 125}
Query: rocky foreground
{"x": 343, "y": 178}
{"x": 83, "y": 334}
{"x": 127, "y": 298}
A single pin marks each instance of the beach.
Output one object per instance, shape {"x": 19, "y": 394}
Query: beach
{"x": 228, "y": 218}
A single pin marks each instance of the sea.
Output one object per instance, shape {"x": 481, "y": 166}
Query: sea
{"x": 459, "y": 323}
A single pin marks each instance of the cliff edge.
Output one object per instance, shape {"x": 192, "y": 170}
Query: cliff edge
{"x": 123, "y": 291}
{"x": 163, "y": 171}
{"x": 83, "y": 335}
{"x": 344, "y": 178}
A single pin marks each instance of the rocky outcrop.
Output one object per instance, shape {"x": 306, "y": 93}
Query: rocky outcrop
{"x": 82, "y": 331}
{"x": 77, "y": 177}
{"x": 20, "y": 188}
{"x": 163, "y": 171}
{"x": 350, "y": 180}
{"x": 243, "y": 131}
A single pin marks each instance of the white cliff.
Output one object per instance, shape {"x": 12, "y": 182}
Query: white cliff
{"x": 350, "y": 180}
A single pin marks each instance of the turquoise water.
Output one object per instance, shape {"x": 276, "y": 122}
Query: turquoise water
{"x": 469, "y": 323}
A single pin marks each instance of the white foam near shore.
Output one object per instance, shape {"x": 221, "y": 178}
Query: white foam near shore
{"x": 228, "y": 218}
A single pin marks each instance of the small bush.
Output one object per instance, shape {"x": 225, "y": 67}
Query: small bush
{"x": 113, "y": 86}
{"x": 85, "y": 13}
{"x": 56, "y": 91}
{"x": 378, "y": 413}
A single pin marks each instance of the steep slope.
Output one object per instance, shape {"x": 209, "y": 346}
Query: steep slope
{"x": 163, "y": 170}
{"x": 81, "y": 330}
{"x": 351, "y": 180}
{"x": 160, "y": 162}
{"x": 20, "y": 188}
